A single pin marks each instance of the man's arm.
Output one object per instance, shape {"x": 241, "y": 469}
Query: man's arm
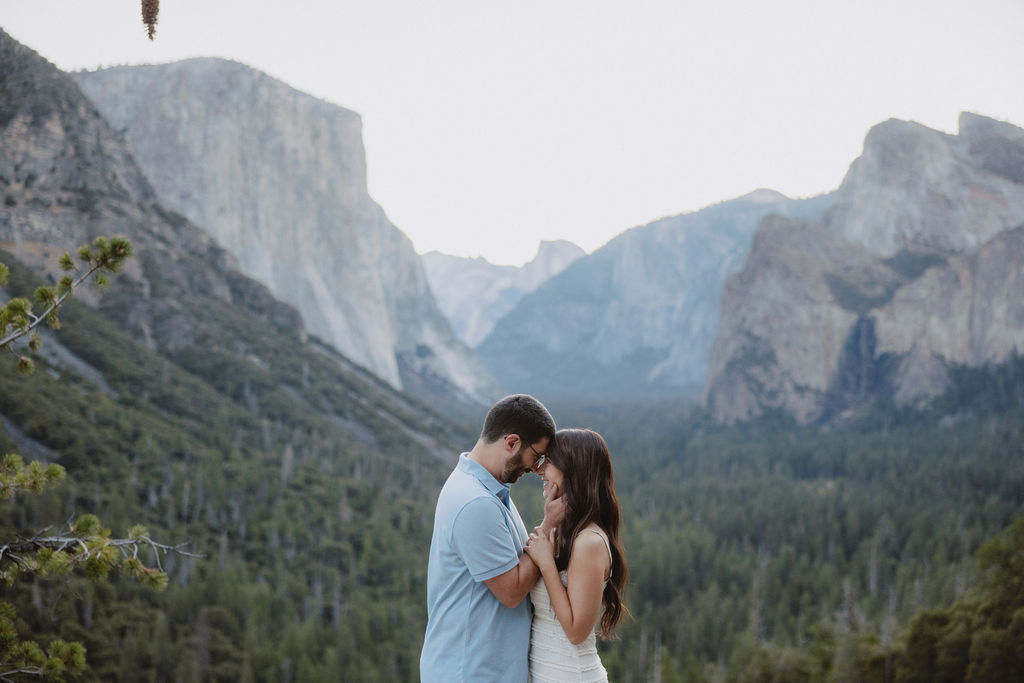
{"x": 511, "y": 587}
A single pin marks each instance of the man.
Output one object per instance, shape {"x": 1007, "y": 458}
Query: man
{"x": 478, "y": 622}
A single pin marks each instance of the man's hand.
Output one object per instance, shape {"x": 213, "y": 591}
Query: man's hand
{"x": 554, "y": 509}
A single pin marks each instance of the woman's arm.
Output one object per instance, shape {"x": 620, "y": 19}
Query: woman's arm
{"x": 577, "y": 607}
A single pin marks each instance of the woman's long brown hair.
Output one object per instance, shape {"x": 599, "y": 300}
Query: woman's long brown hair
{"x": 588, "y": 489}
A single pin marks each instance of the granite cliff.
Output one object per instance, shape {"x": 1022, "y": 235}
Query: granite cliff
{"x": 639, "y": 315}
{"x": 915, "y": 269}
{"x": 278, "y": 178}
{"x": 475, "y": 293}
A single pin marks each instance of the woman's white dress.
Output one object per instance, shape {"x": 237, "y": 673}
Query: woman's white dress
{"x": 553, "y": 659}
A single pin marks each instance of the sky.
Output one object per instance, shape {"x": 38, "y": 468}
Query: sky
{"x": 490, "y": 125}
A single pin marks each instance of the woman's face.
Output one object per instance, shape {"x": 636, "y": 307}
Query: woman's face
{"x": 551, "y": 475}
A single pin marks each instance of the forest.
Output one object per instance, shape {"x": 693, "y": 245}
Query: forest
{"x": 884, "y": 548}
{"x": 769, "y": 552}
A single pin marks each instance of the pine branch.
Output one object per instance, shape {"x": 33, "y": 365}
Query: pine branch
{"x": 129, "y": 547}
{"x": 17, "y": 313}
{"x": 87, "y": 546}
{"x": 36, "y": 320}
{"x": 15, "y": 476}
{"x": 28, "y": 671}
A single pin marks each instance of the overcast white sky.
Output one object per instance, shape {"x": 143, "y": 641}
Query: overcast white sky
{"x": 491, "y": 125}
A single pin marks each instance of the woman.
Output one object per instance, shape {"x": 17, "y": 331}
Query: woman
{"x": 582, "y": 565}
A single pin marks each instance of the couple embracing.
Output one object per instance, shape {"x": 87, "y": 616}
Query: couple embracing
{"x": 483, "y": 564}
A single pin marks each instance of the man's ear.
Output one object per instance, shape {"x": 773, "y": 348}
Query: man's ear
{"x": 511, "y": 442}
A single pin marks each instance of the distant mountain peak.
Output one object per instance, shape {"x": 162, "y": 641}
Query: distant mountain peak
{"x": 764, "y": 196}
{"x": 474, "y": 293}
{"x": 557, "y": 245}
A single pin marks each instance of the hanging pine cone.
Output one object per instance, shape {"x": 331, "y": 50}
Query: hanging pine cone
{"x": 150, "y": 8}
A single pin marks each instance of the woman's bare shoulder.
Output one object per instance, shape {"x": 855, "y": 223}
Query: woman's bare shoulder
{"x": 590, "y": 541}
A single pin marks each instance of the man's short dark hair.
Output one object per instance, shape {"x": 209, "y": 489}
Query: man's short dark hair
{"x": 520, "y": 414}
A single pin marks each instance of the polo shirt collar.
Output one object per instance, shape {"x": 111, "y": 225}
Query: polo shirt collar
{"x": 480, "y": 473}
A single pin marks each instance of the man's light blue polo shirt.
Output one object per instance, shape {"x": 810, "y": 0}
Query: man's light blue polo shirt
{"x": 477, "y": 536}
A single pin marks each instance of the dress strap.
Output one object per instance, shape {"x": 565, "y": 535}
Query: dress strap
{"x": 604, "y": 537}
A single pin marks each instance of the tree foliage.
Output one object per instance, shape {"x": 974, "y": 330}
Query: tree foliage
{"x": 981, "y": 637}
{"x": 27, "y": 658}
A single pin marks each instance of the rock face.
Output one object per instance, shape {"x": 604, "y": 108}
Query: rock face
{"x": 967, "y": 310}
{"x": 782, "y": 333}
{"x": 638, "y": 315}
{"x": 918, "y": 266}
{"x": 279, "y": 179}
{"x": 475, "y": 293}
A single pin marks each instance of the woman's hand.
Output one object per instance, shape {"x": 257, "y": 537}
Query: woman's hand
{"x": 541, "y": 548}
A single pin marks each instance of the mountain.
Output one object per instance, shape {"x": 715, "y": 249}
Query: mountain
{"x": 475, "y": 293}
{"x": 914, "y": 271}
{"x": 66, "y": 177}
{"x": 278, "y": 178}
{"x": 190, "y": 400}
{"x": 639, "y": 315}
